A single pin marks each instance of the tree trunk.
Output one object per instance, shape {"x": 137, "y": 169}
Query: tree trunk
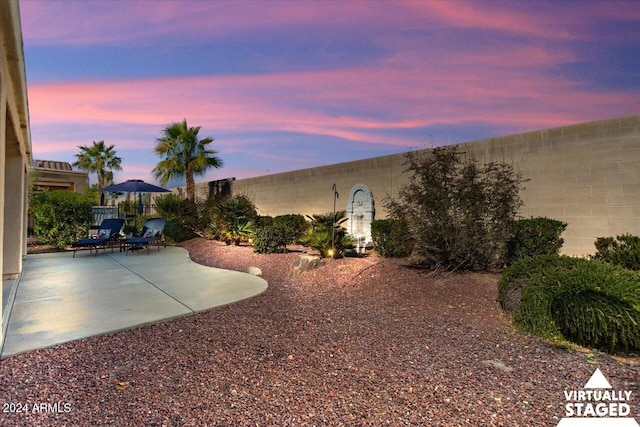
{"x": 191, "y": 186}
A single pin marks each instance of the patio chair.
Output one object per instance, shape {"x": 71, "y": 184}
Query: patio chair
{"x": 108, "y": 234}
{"x": 151, "y": 233}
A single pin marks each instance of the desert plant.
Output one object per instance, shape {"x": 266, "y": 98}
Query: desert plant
{"x": 599, "y": 306}
{"x": 588, "y": 302}
{"x": 390, "y": 237}
{"x": 169, "y": 205}
{"x": 191, "y": 213}
{"x": 232, "y": 219}
{"x": 460, "y": 213}
{"x": 535, "y": 236}
{"x": 60, "y": 217}
{"x": 237, "y": 231}
{"x": 624, "y": 250}
{"x": 326, "y": 234}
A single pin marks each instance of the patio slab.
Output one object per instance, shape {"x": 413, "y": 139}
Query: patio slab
{"x": 60, "y": 298}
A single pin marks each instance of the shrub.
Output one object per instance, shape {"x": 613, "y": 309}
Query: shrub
{"x": 60, "y": 217}
{"x": 603, "y": 316}
{"x": 591, "y": 303}
{"x": 460, "y": 212}
{"x": 319, "y": 235}
{"x": 623, "y": 250}
{"x": 519, "y": 274}
{"x": 232, "y": 218}
{"x": 176, "y": 232}
{"x": 263, "y": 221}
{"x": 189, "y": 213}
{"x": 272, "y": 235}
{"x": 390, "y": 238}
{"x": 271, "y": 239}
{"x": 169, "y": 205}
{"x": 535, "y": 236}
{"x": 293, "y": 224}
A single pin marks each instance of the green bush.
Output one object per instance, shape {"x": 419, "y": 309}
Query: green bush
{"x": 191, "y": 214}
{"x": 460, "y": 212}
{"x": 623, "y": 251}
{"x": 520, "y": 273}
{"x": 589, "y": 302}
{"x": 391, "y": 238}
{"x": 263, "y": 221}
{"x": 60, "y": 217}
{"x": 271, "y": 239}
{"x": 535, "y": 236}
{"x": 293, "y": 224}
{"x": 272, "y": 235}
{"x": 176, "y": 232}
{"x": 169, "y": 205}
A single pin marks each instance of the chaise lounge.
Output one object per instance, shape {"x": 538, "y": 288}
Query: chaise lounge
{"x": 151, "y": 233}
{"x": 108, "y": 234}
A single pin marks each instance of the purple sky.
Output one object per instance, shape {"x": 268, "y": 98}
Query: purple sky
{"x": 294, "y": 84}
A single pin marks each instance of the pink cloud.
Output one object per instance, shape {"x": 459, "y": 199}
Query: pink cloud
{"x": 310, "y": 102}
{"x": 135, "y": 22}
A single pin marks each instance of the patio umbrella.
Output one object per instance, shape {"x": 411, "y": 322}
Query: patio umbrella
{"x": 135, "y": 186}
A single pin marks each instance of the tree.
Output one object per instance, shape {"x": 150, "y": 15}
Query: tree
{"x": 183, "y": 154}
{"x": 99, "y": 159}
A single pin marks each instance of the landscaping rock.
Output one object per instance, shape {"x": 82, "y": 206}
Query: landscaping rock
{"x": 304, "y": 263}
{"x": 255, "y": 271}
{"x": 497, "y": 364}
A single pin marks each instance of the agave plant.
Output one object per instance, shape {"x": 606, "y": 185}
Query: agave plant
{"x": 239, "y": 230}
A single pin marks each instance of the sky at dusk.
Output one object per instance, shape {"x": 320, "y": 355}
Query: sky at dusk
{"x": 286, "y": 85}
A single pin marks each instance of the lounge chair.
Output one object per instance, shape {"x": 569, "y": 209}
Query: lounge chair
{"x": 108, "y": 234}
{"x": 151, "y": 233}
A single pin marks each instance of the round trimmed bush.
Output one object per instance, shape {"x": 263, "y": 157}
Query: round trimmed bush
{"x": 271, "y": 239}
{"x": 535, "y": 236}
{"x": 294, "y": 225}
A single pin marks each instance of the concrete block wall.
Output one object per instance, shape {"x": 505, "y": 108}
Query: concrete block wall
{"x": 587, "y": 175}
{"x": 310, "y": 191}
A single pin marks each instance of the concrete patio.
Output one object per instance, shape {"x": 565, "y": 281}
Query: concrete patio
{"x": 59, "y": 298}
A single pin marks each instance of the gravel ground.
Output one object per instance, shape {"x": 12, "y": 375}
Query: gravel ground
{"x": 364, "y": 341}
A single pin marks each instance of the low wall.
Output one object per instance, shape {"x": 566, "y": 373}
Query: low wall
{"x": 586, "y": 174}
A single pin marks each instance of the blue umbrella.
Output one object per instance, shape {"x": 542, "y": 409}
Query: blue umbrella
{"x": 135, "y": 186}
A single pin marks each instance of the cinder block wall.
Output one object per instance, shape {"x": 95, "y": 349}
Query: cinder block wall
{"x": 310, "y": 191}
{"x": 586, "y": 174}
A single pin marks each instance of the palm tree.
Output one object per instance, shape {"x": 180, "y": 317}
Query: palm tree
{"x": 183, "y": 154}
{"x": 99, "y": 159}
